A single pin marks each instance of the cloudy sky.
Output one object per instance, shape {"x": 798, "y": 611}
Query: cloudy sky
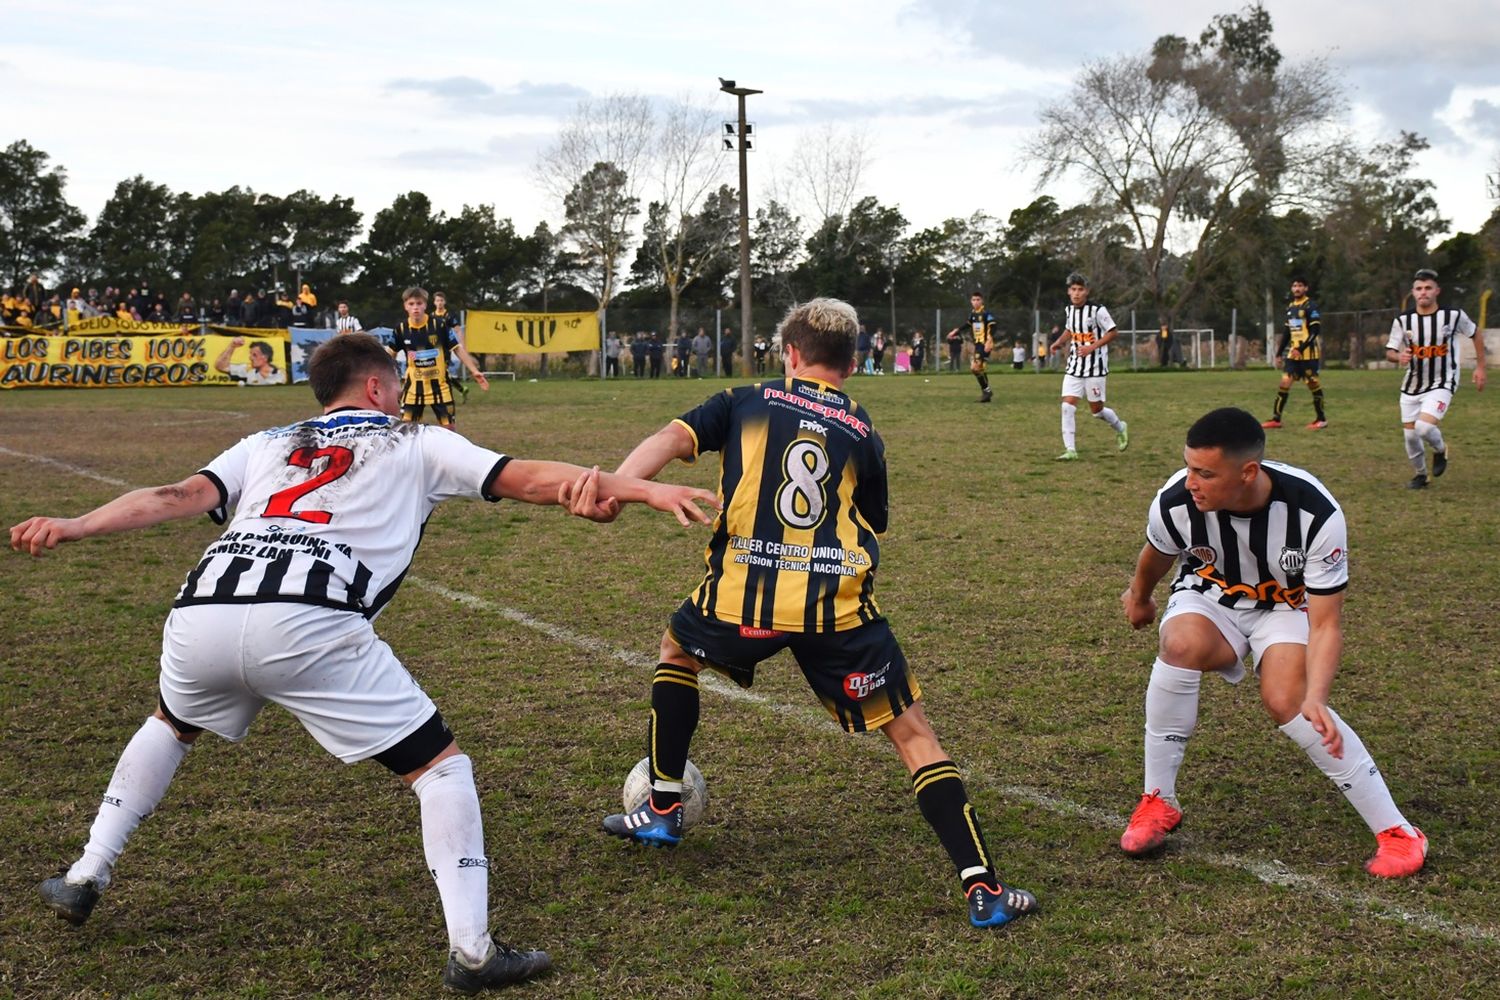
{"x": 456, "y": 97}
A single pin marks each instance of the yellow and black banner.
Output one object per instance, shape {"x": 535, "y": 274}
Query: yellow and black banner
{"x": 79, "y": 325}
{"x": 531, "y": 333}
{"x": 94, "y": 361}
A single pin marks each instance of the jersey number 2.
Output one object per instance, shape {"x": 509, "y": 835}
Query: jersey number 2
{"x": 280, "y": 504}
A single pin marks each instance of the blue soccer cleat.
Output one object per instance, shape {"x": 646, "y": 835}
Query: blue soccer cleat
{"x": 998, "y": 905}
{"x": 647, "y": 826}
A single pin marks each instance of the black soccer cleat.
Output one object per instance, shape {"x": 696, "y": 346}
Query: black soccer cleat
{"x": 1418, "y": 482}
{"x": 986, "y": 395}
{"x": 505, "y": 965}
{"x": 997, "y": 905}
{"x": 1439, "y": 463}
{"x": 647, "y": 826}
{"x": 70, "y": 901}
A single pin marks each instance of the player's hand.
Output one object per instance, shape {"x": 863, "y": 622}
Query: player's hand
{"x": 237, "y": 342}
{"x": 484, "y": 383}
{"x": 1277, "y": 361}
{"x": 37, "y": 533}
{"x": 1405, "y": 356}
{"x": 1295, "y": 354}
{"x": 1479, "y": 379}
{"x": 581, "y": 499}
{"x": 682, "y": 502}
{"x": 1322, "y": 720}
{"x": 1137, "y": 612}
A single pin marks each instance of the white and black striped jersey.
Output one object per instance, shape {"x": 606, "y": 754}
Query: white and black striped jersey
{"x": 329, "y": 511}
{"x": 347, "y": 324}
{"x": 1435, "y": 348}
{"x": 1087, "y": 323}
{"x": 1267, "y": 559}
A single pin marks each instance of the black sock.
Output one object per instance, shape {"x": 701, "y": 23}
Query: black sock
{"x": 984, "y": 381}
{"x": 1317, "y": 393}
{"x": 1281, "y": 395}
{"x": 945, "y": 806}
{"x": 674, "y": 716}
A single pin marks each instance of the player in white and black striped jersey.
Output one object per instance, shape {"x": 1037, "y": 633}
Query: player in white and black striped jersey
{"x": 1426, "y": 341}
{"x": 344, "y": 321}
{"x": 1263, "y": 562}
{"x": 328, "y": 513}
{"x": 1088, "y": 330}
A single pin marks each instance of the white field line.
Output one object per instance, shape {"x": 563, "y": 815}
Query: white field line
{"x": 1270, "y": 872}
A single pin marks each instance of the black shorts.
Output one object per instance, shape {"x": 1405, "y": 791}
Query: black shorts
{"x": 1299, "y": 370}
{"x": 860, "y": 675}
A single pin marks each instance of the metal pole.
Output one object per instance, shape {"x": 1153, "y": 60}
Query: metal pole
{"x": 719, "y": 342}
{"x": 603, "y": 333}
{"x": 745, "y": 319}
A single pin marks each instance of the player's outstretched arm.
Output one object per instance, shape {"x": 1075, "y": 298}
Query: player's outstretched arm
{"x": 568, "y": 485}
{"x": 1325, "y": 644}
{"x": 1140, "y": 606}
{"x": 653, "y": 454}
{"x": 137, "y": 509}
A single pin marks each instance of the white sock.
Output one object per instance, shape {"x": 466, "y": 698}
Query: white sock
{"x": 1414, "y": 450}
{"x": 453, "y": 839}
{"x": 1355, "y": 775}
{"x": 1110, "y": 417}
{"x": 140, "y": 780}
{"x": 1069, "y": 426}
{"x": 1171, "y": 715}
{"x": 1432, "y": 434}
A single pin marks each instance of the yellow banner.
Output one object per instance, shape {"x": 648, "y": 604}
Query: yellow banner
{"x": 93, "y": 361}
{"x": 79, "y": 324}
{"x": 531, "y": 333}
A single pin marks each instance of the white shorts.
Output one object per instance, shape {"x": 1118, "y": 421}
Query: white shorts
{"x": 1247, "y": 630}
{"x": 1091, "y": 389}
{"x": 1434, "y": 402}
{"x": 221, "y": 663}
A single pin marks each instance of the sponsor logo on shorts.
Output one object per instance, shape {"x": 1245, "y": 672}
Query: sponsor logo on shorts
{"x": 474, "y": 863}
{"x": 861, "y": 686}
{"x": 1174, "y": 738}
{"x": 1335, "y": 557}
{"x": 1292, "y": 560}
{"x": 1204, "y": 554}
{"x": 751, "y": 632}
{"x": 1441, "y": 406}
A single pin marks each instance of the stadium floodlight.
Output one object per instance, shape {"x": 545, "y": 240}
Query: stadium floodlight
{"x": 728, "y": 87}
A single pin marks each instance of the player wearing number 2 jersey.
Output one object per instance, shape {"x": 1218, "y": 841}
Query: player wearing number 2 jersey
{"x": 328, "y": 513}
{"x": 791, "y": 565}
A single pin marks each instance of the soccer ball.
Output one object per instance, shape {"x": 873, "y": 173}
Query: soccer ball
{"x": 694, "y": 791}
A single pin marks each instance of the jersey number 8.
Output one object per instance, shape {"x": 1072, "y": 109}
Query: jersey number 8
{"x": 802, "y": 499}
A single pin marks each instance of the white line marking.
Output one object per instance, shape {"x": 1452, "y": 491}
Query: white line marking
{"x": 75, "y": 469}
{"x": 1270, "y": 872}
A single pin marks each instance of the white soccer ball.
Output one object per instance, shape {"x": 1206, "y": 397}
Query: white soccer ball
{"x": 694, "y": 791}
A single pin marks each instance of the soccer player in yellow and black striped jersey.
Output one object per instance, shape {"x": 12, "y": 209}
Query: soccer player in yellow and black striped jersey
{"x": 791, "y": 565}
{"x": 982, "y": 330}
{"x": 1303, "y": 354}
{"x": 428, "y": 344}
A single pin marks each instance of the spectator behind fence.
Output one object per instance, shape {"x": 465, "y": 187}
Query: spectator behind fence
{"x": 701, "y": 348}
{"x": 612, "y": 355}
{"x": 187, "y": 308}
{"x": 654, "y": 351}
{"x": 306, "y": 297}
{"x": 638, "y": 353}
{"x": 729, "y": 345}
{"x": 345, "y": 321}
{"x": 281, "y": 310}
{"x": 918, "y": 350}
{"x": 34, "y": 294}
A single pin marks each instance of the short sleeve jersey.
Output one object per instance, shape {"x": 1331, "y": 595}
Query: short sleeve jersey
{"x": 1087, "y": 323}
{"x": 429, "y": 346}
{"x": 1302, "y": 324}
{"x": 330, "y": 510}
{"x": 1436, "y": 350}
{"x": 1269, "y": 559}
{"x": 803, "y": 483}
{"x": 982, "y": 329}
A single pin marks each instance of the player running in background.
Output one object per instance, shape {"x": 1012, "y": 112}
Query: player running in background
{"x": 328, "y": 513}
{"x": 1303, "y": 353}
{"x": 1263, "y": 561}
{"x": 1088, "y": 330}
{"x": 982, "y": 330}
{"x": 1425, "y": 340}
{"x": 791, "y": 565}
{"x": 428, "y": 343}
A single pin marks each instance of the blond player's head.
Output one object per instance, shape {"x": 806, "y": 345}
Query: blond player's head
{"x": 823, "y": 331}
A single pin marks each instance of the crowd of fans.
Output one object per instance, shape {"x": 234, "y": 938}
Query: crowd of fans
{"x": 33, "y": 305}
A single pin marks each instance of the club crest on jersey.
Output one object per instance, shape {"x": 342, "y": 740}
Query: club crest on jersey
{"x": 1292, "y": 560}
{"x": 1204, "y": 554}
{"x": 860, "y": 686}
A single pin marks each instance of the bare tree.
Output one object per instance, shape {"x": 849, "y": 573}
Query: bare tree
{"x": 825, "y": 168}
{"x": 1177, "y": 139}
{"x": 613, "y": 133}
{"x": 687, "y": 229}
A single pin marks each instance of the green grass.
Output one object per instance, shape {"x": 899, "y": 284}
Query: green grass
{"x": 271, "y": 870}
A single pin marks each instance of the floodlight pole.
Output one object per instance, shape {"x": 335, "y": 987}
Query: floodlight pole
{"x": 746, "y": 362}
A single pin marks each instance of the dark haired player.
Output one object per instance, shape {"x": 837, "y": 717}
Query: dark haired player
{"x": 1088, "y": 329}
{"x": 1263, "y": 561}
{"x": 1425, "y": 340}
{"x": 1299, "y": 354}
{"x": 428, "y": 342}
{"x": 328, "y": 512}
{"x": 791, "y": 565}
{"x": 982, "y": 331}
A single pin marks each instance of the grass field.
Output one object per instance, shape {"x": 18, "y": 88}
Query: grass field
{"x": 271, "y": 870}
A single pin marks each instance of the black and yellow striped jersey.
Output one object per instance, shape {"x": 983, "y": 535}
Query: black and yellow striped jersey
{"x": 428, "y": 347}
{"x": 982, "y": 328}
{"x": 802, "y": 479}
{"x": 1302, "y": 326}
